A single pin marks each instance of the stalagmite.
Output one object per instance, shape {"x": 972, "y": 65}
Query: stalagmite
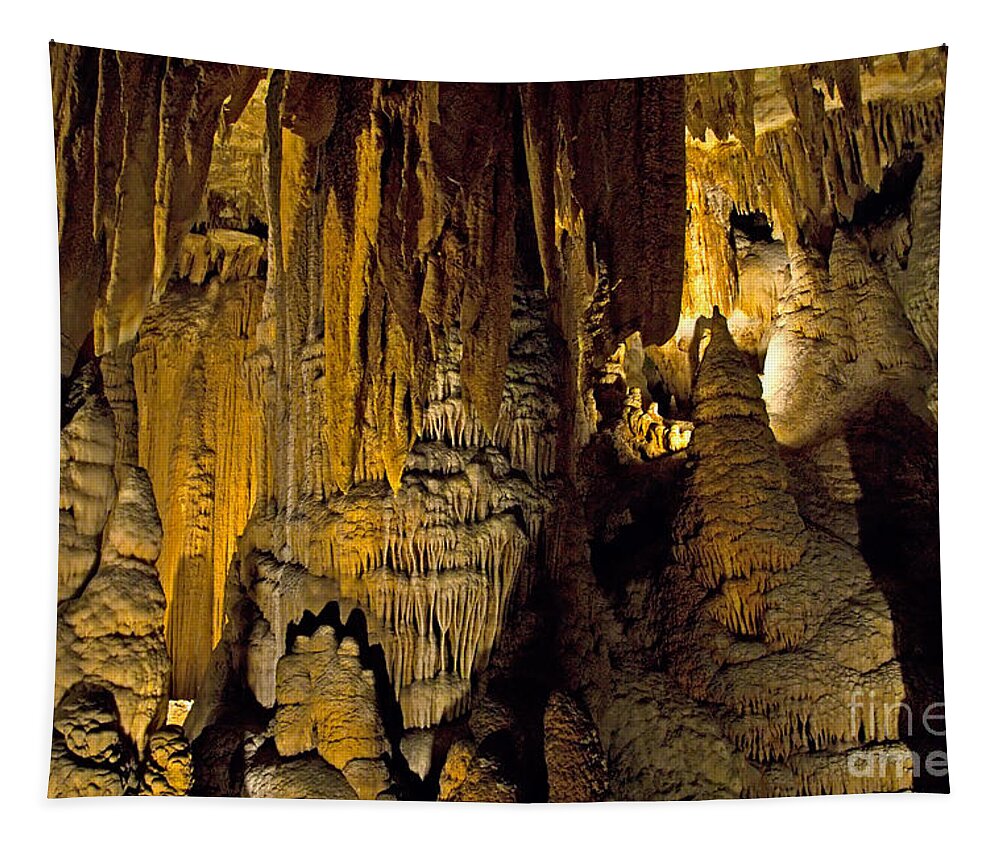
{"x": 168, "y": 769}
{"x": 112, "y": 665}
{"x": 737, "y": 524}
{"x": 326, "y": 701}
{"x": 838, "y": 324}
{"x": 470, "y": 776}
{"x": 826, "y": 661}
{"x": 576, "y": 765}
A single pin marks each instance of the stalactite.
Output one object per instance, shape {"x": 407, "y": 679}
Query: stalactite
{"x": 432, "y": 567}
{"x": 205, "y": 462}
{"x": 75, "y": 99}
{"x": 723, "y": 102}
{"x": 235, "y": 184}
{"x": 230, "y": 255}
{"x": 152, "y": 122}
{"x": 805, "y": 192}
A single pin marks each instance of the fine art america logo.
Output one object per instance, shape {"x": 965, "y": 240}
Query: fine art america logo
{"x": 879, "y": 762}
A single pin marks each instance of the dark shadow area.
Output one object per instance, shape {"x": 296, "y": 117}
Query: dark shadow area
{"x": 219, "y": 763}
{"x": 631, "y": 510}
{"x": 894, "y": 194}
{"x": 521, "y": 748}
{"x": 218, "y": 754}
{"x": 83, "y": 381}
{"x": 754, "y": 225}
{"x": 445, "y": 735}
{"x": 895, "y": 461}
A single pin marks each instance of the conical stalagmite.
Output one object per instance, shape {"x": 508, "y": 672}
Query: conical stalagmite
{"x": 737, "y": 523}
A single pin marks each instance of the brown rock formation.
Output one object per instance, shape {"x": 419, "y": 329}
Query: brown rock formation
{"x": 808, "y": 599}
{"x": 469, "y": 776}
{"x": 199, "y": 437}
{"x": 111, "y": 664}
{"x": 575, "y": 762}
{"x": 133, "y": 144}
{"x": 307, "y": 776}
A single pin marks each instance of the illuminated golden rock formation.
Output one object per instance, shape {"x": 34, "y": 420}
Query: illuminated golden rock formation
{"x": 230, "y": 254}
{"x": 111, "y": 632}
{"x": 86, "y": 491}
{"x": 112, "y": 666}
{"x": 785, "y": 164}
{"x": 326, "y": 701}
{"x": 825, "y": 662}
{"x": 432, "y": 568}
{"x": 134, "y": 140}
{"x": 235, "y": 183}
{"x": 199, "y": 436}
{"x": 823, "y": 140}
{"x": 737, "y": 524}
{"x": 838, "y": 324}
{"x": 470, "y": 776}
{"x": 90, "y": 756}
{"x": 307, "y": 776}
{"x": 419, "y": 235}
{"x": 417, "y": 748}
{"x": 432, "y": 563}
{"x": 781, "y": 673}
{"x": 168, "y": 769}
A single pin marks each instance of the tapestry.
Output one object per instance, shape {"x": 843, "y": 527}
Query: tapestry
{"x": 526, "y": 442}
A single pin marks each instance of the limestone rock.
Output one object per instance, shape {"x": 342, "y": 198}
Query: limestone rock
{"x": 369, "y": 778}
{"x": 133, "y": 530}
{"x": 867, "y": 344}
{"x": 395, "y": 413}
{"x": 469, "y": 776}
{"x": 136, "y": 215}
{"x": 86, "y": 491}
{"x": 69, "y": 778}
{"x": 737, "y": 523}
{"x": 168, "y": 768}
{"x": 306, "y": 776}
{"x": 326, "y": 701}
{"x": 110, "y": 632}
{"x": 574, "y": 757}
{"x": 90, "y": 754}
{"x": 203, "y": 463}
{"x": 417, "y": 747}
{"x": 87, "y": 718}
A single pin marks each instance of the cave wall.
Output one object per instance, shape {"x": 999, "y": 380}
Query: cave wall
{"x": 446, "y": 444}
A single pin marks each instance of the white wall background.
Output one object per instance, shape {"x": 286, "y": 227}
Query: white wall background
{"x": 509, "y": 39}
